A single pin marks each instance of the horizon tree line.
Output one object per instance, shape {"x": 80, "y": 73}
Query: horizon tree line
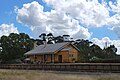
{"x": 13, "y": 47}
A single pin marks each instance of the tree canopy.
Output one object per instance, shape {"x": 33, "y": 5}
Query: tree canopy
{"x": 14, "y": 46}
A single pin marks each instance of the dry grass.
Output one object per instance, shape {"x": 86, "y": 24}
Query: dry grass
{"x": 47, "y": 75}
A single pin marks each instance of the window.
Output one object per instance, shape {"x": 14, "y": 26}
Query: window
{"x": 70, "y": 55}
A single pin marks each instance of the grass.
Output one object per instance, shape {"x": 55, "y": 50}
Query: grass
{"x": 52, "y": 75}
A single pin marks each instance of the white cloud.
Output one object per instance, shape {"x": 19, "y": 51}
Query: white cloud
{"x": 6, "y": 29}
{"x": 83, "y": 33}
{"x": 115, "y": 19}
{"x": 103, "y": 41}
{"x": 91, "y": 13}
{"x": 88, "y": 12}
{"x": 57, "y": 22}
{"x": 66, "y": 15}
{"x": 31, "y": 14}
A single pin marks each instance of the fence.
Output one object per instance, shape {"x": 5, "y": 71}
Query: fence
{"x": 80, "y": 67}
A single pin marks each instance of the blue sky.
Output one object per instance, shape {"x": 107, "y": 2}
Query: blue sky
{"x": 8, "y": 15}
{"x": 103, "y": 32}
{"x": 96, "y": 20}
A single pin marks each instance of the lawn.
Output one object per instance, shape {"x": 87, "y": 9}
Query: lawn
{"x": 53, "y": 75}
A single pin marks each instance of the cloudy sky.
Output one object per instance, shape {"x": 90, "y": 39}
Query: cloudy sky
{"x": 95, "y": 20}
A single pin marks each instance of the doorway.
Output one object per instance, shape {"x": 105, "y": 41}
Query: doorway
{"x": 60, "y": 58}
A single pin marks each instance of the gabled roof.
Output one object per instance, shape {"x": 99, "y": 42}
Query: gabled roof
{"x": 49, "y": 48}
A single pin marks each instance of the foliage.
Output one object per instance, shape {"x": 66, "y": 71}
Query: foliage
{"x": 84, "y": 48}
{"x": 49, "y": 38}
{"x": 14, "y": 46}
{"x": 110, "y": 52}
{"x": 92, "y": 52}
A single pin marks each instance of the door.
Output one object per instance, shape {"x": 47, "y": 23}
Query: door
{"x": 60, "y": 58}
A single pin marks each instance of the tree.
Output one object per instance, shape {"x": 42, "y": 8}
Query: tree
{"x": 43, "y": 36}
{"x": 39, "y": 42}
{"x": 49, "y": 38}
{"x": 110, "y": 52}
{"x": 14, "y": 46}
{"x": 58, "y": 39}
{"x": 84, "y": 48}
{"x": 96, "y": 51}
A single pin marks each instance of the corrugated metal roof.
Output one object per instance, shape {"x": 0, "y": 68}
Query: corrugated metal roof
{"x": 66, "y": 49}
{"x": 49, "y": 48}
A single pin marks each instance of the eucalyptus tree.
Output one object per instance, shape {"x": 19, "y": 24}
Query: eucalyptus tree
{"x": 43, "y": 36}
{"x": 110, "y": 52}
{"x": 96, "y": 52}
{"x": 84, "y": 48}
{"x": 58, "y": 39}
{"x": 50, "y": 38}
{"x": 14, "y": 46}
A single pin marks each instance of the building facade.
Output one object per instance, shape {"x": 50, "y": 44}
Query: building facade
{"x": 54, "y": 53}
